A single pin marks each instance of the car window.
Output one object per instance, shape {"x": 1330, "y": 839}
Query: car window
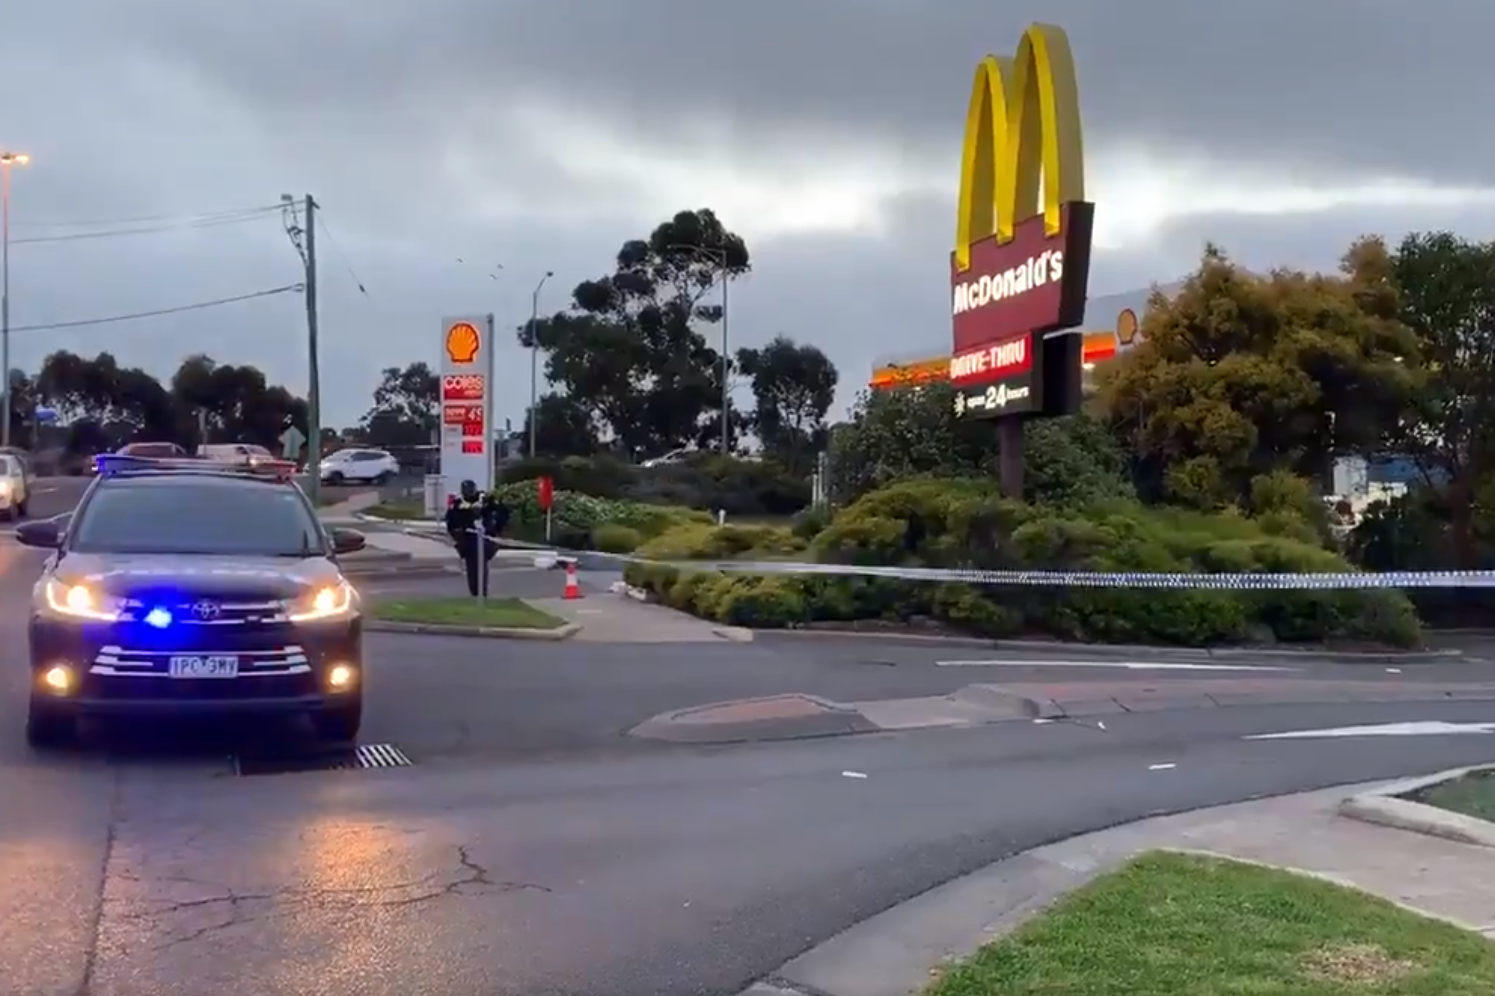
{"x": 9, "y": 466}
{"x": 254, "y": 450}
{"x": 196, "y": 517}
{"x": 366, "y": 456}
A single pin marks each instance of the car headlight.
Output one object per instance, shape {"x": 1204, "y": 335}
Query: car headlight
{"x": 80, "y": 601}
{"x": 324, "y": 603}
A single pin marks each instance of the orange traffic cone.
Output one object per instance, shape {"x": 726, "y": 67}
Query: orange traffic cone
{"x": 573, "y": 590}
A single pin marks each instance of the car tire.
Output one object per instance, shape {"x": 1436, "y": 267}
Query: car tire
{"x": 340, "y": 723}
{"x": 384, "y": 478}
{"x": 48, "y": 728}
{"x": 336, "y": 477}
{"x": 24, "y": 509}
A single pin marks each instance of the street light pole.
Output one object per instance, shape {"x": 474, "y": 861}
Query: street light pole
{"x": 534, "y": 364}
{"x": 7, "y": 160}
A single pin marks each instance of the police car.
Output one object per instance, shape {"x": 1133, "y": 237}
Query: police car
{"x": 178, "y": 587}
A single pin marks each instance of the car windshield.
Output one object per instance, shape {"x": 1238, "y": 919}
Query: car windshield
{"x": 197, "y": 517}
{"x": 8, "y": 466}
{"x": 256, "y": 450}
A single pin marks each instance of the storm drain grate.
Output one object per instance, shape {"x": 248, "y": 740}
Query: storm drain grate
{"x": 355, "y": 759}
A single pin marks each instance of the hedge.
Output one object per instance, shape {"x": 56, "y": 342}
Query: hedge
{"x": 705, "y": 482}
{"x": 584, "y": 522}
{"x": 967, "y": 524}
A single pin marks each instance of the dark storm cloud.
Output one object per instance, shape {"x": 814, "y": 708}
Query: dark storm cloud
{"x": 1349, "y": 85}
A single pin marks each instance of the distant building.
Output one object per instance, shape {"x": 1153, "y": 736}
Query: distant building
{"x": 1112, "y": 326}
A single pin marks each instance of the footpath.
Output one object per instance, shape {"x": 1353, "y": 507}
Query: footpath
{"x": 897, "y": 952}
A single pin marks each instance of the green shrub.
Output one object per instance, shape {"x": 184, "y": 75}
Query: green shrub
{"x": 964, "y": 523}
{"x": 613, "y": 537}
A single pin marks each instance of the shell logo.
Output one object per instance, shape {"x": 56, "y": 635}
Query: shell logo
{"x": 1127, "y": 329}
{"x": 462, "y": 343}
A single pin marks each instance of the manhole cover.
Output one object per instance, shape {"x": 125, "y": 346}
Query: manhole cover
{"x": 363, "y": 756}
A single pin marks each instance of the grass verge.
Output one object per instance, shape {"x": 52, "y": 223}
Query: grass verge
{"x": 1181, "y": 925}
{"x": 509, "y": 613}
{"x": 1472, "y": 795}
{"x": 405, "y": 510}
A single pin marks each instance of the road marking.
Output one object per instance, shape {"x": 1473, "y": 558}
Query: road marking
{"x": 1393, "y": 670}
{"x": 1428, "y": 728}
{"x": 1120, "y": 665}
{"x": 1162, "y": 767}
{"x": 852, "y": 774}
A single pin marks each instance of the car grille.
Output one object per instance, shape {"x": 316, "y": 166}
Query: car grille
{"x": 207, "y": 613}
{"x": 121, "y": 662}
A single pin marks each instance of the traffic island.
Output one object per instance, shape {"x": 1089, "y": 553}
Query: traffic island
{"x": 506, "y": 618}
{"x": 1198, "y": 926}
{"x": 1456, "y": 805}
{"x": 773, "y": 717}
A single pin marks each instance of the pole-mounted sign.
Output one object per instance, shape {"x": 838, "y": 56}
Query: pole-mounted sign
{"x": 466, "y": 403}
{"x": 1021, "y": 263}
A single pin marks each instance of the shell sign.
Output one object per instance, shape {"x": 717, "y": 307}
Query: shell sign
{"x": 462, "y": 343}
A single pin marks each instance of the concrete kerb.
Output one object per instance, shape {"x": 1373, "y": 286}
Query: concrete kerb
{"x": 1128, "y": 651}
{"x": 480, "y": 632}
{"x": 1387, "y": 806}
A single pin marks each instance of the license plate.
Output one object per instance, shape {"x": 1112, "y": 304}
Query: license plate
{"x": 217, "y": 666}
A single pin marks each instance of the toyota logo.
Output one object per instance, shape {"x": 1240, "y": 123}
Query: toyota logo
{"x": 206, "y": 611}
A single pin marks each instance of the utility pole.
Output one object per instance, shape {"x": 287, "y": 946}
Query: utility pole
{"x": 7, "y": 160}
{"x": 305, "y": 241}
{"x": 534, "y": 365}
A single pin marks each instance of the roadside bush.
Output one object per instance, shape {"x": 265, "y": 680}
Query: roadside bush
{"x": 576, "y": 517}
{"x": 707, "y": 482}
{"x": 966, "y": 524}
{"x": 610, "y": 537}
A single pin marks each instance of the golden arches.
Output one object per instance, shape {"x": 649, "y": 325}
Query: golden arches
{"x": 1022, "y": 124}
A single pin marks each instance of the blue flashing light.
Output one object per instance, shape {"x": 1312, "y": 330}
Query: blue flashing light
{"x": 158, "y": 617}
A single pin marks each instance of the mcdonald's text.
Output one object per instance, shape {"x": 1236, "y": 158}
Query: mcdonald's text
{"x": 1024, "y": 277}
{"x": 1035, "y": 283}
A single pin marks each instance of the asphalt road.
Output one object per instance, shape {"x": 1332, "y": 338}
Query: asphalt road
{"x": 533, "y": 849}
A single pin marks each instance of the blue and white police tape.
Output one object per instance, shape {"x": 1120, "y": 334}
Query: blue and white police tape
{"x": 1255, "y": 581}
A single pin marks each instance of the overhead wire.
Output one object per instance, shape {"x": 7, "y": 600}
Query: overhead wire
{"x": 196, "y": 306}
{"x": 181, "y": 224}
{"x": 338, "y": 249}
{"x": 146, "y": 219}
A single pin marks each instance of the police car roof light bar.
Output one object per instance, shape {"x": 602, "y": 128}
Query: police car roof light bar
{"x": 122, "y": 464}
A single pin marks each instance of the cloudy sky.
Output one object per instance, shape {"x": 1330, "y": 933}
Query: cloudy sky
{"x": 539, "y": 134}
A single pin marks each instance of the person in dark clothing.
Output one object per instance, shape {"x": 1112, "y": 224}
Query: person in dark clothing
{"x": 470, "y": 512}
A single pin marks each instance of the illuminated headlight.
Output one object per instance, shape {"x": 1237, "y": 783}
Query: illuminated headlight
{"x": 80, "y": 601}
{"x": 324, "y": 603}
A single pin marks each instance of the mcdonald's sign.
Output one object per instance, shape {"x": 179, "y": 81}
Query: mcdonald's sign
{"x": 1021, "y": 262}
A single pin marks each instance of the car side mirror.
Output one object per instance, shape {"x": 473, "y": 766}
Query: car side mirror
{"x": 343, "y": 540}
{"x": 45, "y": 534}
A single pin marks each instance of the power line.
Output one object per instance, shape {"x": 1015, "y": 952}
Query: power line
{"x": 198, "y": 306}
{"x": 149, "y": 219}
{"x": 337, "y": 248}
{"x": 207, "y": 221}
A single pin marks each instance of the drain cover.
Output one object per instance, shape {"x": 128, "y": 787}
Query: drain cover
{"x": 362, "y": 756}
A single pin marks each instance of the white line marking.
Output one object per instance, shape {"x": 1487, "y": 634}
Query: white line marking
{"x": 1100, "y": 724}
{"x": 1417, "y": 729}
{"x": 852, "y": 774}
{"x": 1119, "y": 665}
{"x": 1162, "y": 767}
{"x": 1393, "y": 670}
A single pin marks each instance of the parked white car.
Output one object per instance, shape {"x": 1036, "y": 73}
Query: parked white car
{"x": 236, "y": 454}
{"x": 14, "y": 491}
{"x": 352, "y": 465}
